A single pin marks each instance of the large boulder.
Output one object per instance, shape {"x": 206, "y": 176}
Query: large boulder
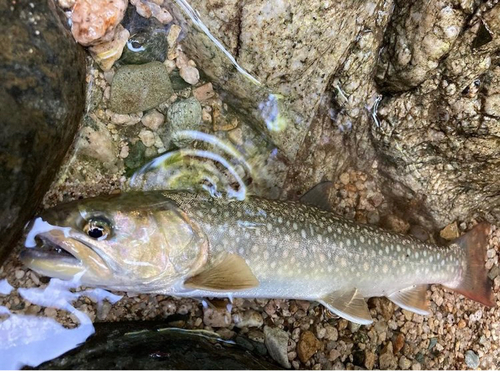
{"x": 42, "y": 96}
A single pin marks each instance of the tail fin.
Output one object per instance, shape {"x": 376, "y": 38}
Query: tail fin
{"x": 475, "y": 282}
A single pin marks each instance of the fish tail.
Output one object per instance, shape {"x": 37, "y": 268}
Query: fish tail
{"x": 475, "y": 283}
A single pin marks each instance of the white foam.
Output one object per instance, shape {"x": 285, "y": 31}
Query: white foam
{"x": 32, "y": 340}
{"x": 41, "y": 226}
{"x": 5, "y": 287}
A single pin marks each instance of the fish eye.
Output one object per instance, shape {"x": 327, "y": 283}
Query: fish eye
{"x": 98, "y": 228}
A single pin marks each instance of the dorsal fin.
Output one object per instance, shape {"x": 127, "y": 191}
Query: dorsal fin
{"x": 230, "y": 273}
{"x": 412, "y": 298}
{"x": 318, "y": 196}
{"x": 348, "y": 304}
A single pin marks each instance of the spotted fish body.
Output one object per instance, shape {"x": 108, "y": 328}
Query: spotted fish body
{"x": 261, "y": 248}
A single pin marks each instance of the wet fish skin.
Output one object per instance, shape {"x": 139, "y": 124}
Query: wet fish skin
{"x": 183, "y": 244}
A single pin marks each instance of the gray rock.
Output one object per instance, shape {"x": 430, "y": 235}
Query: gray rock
{"x": 42, "y": 93}
{"x": 276, "y": 341}
{"x": 139, "y": 88}
{"x": 184, "y": 115}
{"x": 95, "y": 141}
{"x": 136, "y": 156}
{"x": 145, "y": 46}
{"x": 471, "y": 359}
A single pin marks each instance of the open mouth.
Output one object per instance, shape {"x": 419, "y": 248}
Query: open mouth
{"x": 48, "y": 249}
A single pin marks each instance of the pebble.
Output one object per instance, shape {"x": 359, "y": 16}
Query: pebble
{"x": 216, "y": 317}
{"x": 404, "y": 363}
{"x": 276, "y": 341}
{"x": 123, "y": 119}
{"x": 140, "y": 87}
{"x": 153, "y": 119}
{"x": 370, "y": 359}
{"x": 387, "y": 360}
{"x": 184, "y": 115}
{"x": 450, "y": 232}
{"x": 471, "y": 359}
{"x": 399, "y": 342}
{"x": 96, "y": 141}
{"x": 107, "y": 53}
{"x": 19, "y": 274}
{"x": 190, "y": 74}
{"x": 248, "y": 318}
{"x": 173, "y": 35}
{"x": 331, "y": 333}
{"x": 307, "y": 346}
{"x": 147, "y": 137}
{"x": 204, "y": 92}
{"x": 95, "y": 21}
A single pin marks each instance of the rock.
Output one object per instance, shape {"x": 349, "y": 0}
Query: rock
{"x": 399, "y": 342}
{"x": 216, "y": 317}
{"x": 42, "y": 95}
{"x": 145, "y": 46}
{"x": 404, "y": 363}
{"x": 450, "y": 232}
{"x": 332, "y": 333}
{"x": 153, "y": 119}
{"x": 370, "y": 359}
{"x": 173, "y": 35}
{"x": 139, "y": 88}
{"x": 136, "y": 156}
{"x": 387, "y": 360}
{"x": 184, "y": 115}
{"x": 276, "y": 341}
{"x": 95, "y": 21}
{"x": 190, "y": 74}
{"x": 307, "y": 346}
{"x": 248, "y": 318}
{"x": 204, "y": 92}
{"x": 107, "y": 53}
{"x": 147, "y": 137}
{"x": 472, "y": 359}
{"x": 94, "y": 140}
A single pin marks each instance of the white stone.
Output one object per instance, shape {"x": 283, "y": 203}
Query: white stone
{"x": 190, "y": 74}
{"x": 153, "y": 119}
{"x": 147, "y": 137}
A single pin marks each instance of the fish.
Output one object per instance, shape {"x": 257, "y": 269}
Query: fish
{"x": 187, "y": 244}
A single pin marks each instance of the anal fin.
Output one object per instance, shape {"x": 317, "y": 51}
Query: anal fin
{"x": 412, "y": 298}
{"x": 348, "y": 304}
{"x": 229, "y": 273}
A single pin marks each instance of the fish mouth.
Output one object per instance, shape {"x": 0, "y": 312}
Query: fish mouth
{"x": 60, "y": 256}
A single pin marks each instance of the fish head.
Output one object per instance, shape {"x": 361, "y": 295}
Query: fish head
{"x": 132, "y": 242}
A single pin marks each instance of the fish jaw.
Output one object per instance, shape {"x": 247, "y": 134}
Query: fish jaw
{"x": 80, "y": 260}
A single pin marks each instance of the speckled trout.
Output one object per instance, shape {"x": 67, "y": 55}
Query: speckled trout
{"x": 194, "y": 245}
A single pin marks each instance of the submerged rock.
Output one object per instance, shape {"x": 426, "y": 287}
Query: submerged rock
{"x": 184, "y": 115}
{"x": 139, "y": 88}
{"x": 146, "y": 345}
{"x": 42, "y": 86}
{"x": 145, "y": 46}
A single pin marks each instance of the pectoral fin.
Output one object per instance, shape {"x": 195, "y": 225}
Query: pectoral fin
{"x": 230, "y": 273}
{"x": 348, "y": 304}
{"x": 412, "y": 298}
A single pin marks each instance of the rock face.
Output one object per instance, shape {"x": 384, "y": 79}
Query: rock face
{"x": 147, "y": 345}
{"x": 42, "y": 81}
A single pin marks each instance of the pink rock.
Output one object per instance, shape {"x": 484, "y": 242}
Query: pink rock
{"x": 95, "y": 21}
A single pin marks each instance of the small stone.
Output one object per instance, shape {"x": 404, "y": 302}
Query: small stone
{"x": 307, "y": 346}
{"x": 19, "y": 274}
{"x": 216, "y": 317}
{"x": 354, "y": 327}
{"x": 248, "y": 318}
{"x": 404, "y": 363}
{"x": 386, "y": 360}
{"x": 147, "y": 137}
{"x": 123, "y": 119}
{"x": 94, "y": 21}
{"x": 344, "y": 178}
{"x": 173, "y": 35}
{"x": 471, "y": 359}
{"x": 226, "y": 334}
{"x": 333, "y": 355}
{"x": 236, "y": 136}
{"x": 140, "y": 87}
{"x": 416, "y": 366}
{"x": 103, "y": 310}
{"x": 399, "y": 342}
{"x": 124, "y": 151}
{"x": 332, "y": 333}
{"x": 370, "y": 359}
{"x": 184, "y": 115}
{"x": 95, "y": 141}
{"x": 107, "y": 53}
{"x": 450, "y": 232}
{"x": 50, "y": 312}
{"x": 190, "y": 74}
{"x": 204, "y": 92}
{"x": 153, "y": 119}
{"x": 276, "y": 341}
